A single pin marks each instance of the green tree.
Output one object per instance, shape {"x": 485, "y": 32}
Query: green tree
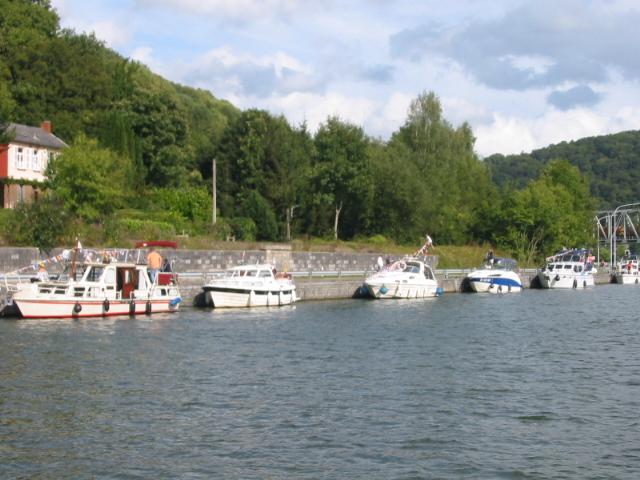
{"x": 286, "y": 169}
{"x": 42, "y": 223}
{"x": 90, "y": 181}
{"x": 341, "y": 175}
{"x": 258, "y": 209}
{"x": 161, "y": 127}
{"x": 455, "y": 184}
{"x": 553, "y": 211}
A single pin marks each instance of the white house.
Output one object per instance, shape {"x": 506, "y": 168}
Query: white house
{"x": 24, "y": 160}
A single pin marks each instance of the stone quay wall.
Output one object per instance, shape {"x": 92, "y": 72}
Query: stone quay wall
{"x": 199, "y": 261}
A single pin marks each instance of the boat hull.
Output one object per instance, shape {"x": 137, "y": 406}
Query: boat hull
{"x": 556, "y": 280}
{"x": 627, "y": 278}
{"x": 34, "y": 308}
{"x": 494, "y": 281}
{"x": 397, "y": 290}
{"x": 221, "y": 297}
{"x": 480, "y": 286}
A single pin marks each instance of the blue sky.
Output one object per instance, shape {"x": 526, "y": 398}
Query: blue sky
{"x": 524, "y": 74}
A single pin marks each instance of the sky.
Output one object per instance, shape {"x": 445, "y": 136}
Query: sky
{"x": 524, "y": 74}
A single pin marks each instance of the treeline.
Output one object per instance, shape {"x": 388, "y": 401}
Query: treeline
{"x": 610, "y": 162}
{"x": 141, "y": 148}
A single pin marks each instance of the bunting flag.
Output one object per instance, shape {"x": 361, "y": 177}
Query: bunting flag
{"x": 87, "y": 255}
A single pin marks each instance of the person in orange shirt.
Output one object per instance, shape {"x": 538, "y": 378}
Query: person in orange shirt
{"x": 154, "y": 262}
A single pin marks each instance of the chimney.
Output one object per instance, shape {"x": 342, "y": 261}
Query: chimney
{"x": 46, "y": 126}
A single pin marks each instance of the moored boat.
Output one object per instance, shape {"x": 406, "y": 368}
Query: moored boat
{"x": 497, "y": 276}
{"x": 408, "y": 278}
{"x": 250, "y": 286}
{"x": 627, "y": 270}
{"x": 568, "y": 269}
{"x": 103, "y": 289}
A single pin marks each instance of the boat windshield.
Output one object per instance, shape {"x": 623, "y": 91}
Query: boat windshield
{"x": 504, "y": 264}
{"x": 412, "y": 268}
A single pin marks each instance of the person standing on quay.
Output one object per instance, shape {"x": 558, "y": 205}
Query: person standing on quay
{"x": 154, "y": 262}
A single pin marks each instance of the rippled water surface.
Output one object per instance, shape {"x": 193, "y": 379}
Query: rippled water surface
{"x": 542, "y": 384}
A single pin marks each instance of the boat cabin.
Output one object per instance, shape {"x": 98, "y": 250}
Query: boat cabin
{"x": 412, "y": 266}
{"x": 250, "y": 271}
{"x": 113, "y": 281}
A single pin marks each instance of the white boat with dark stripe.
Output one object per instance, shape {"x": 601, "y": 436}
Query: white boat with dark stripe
{"x": 250, "y": 286}
{"x": 498, "y": 276}
{"x": 103, "y": 290}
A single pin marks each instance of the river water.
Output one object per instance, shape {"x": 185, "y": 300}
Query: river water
{"x": 536, "y": 385}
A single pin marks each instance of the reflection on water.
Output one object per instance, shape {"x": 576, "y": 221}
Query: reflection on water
{"x": 541, "y": 384}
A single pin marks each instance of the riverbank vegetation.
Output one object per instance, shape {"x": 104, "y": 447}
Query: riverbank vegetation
{"x": 139, "y": 164}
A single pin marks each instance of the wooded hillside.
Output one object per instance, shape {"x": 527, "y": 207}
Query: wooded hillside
{"x": 610, "y": 162}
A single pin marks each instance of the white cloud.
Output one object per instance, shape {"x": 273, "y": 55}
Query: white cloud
{"x": 226, "y": 71}
{"x": 315, "y": 109}
{"x": 114, "y": 34}
{"x": 145, "y": 55}
{"x": 236, "y": 10}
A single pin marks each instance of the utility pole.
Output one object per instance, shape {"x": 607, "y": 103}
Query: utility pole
{"x": 213, "y": 167}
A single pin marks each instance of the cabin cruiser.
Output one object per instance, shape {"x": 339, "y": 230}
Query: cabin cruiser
{"x": 102, "y": 289}
{"x": 497, "y": 276}
{"x": 250, "y": 286}
{"x": 627, "y": 270}
{"x": 568, "y": 269}
{"x": 407, "y": 278}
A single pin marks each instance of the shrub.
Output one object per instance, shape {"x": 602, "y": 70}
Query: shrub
{"x": 243, "y": 228}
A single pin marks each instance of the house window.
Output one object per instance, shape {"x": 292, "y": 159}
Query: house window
{"x": 20, "y": 159}
{"x": 35, "y": 160}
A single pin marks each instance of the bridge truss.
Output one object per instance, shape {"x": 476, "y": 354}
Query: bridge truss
{"x": 619, "y": 226}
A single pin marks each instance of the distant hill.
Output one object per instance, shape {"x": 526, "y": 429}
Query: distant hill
{"x": 611, "y": 162}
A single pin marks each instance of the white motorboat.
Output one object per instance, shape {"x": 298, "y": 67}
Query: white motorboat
{"x": 250, "y": 286}
{"x": 568, "y": 269}
{"x": 497, "y": 276}
{"x": 627, "y": 270}
{"x": 104, "y": 289}
{"x": 408, "y": 278}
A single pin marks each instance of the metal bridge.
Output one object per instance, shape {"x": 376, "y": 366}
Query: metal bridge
{"x": 618, "y": 226}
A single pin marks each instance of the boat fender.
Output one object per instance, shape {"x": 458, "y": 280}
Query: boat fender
{"x": 175, "y": 301}
{"x": 509, "y": 289}
{"x": 132, "y": 307}
{"x": 439, "y": 291}
{"x": 557, "y": 277}
{"x": 77, "y": 308}
{"x": 105, "y": 305}
{"x": 584, "y": 284}
{"x": 500, "y": 288}
{"x": 383, "y": 289}
{"x": 636, "y": 281}
{"x": 148, "y": 307}
{"x": 575, "y": 283}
